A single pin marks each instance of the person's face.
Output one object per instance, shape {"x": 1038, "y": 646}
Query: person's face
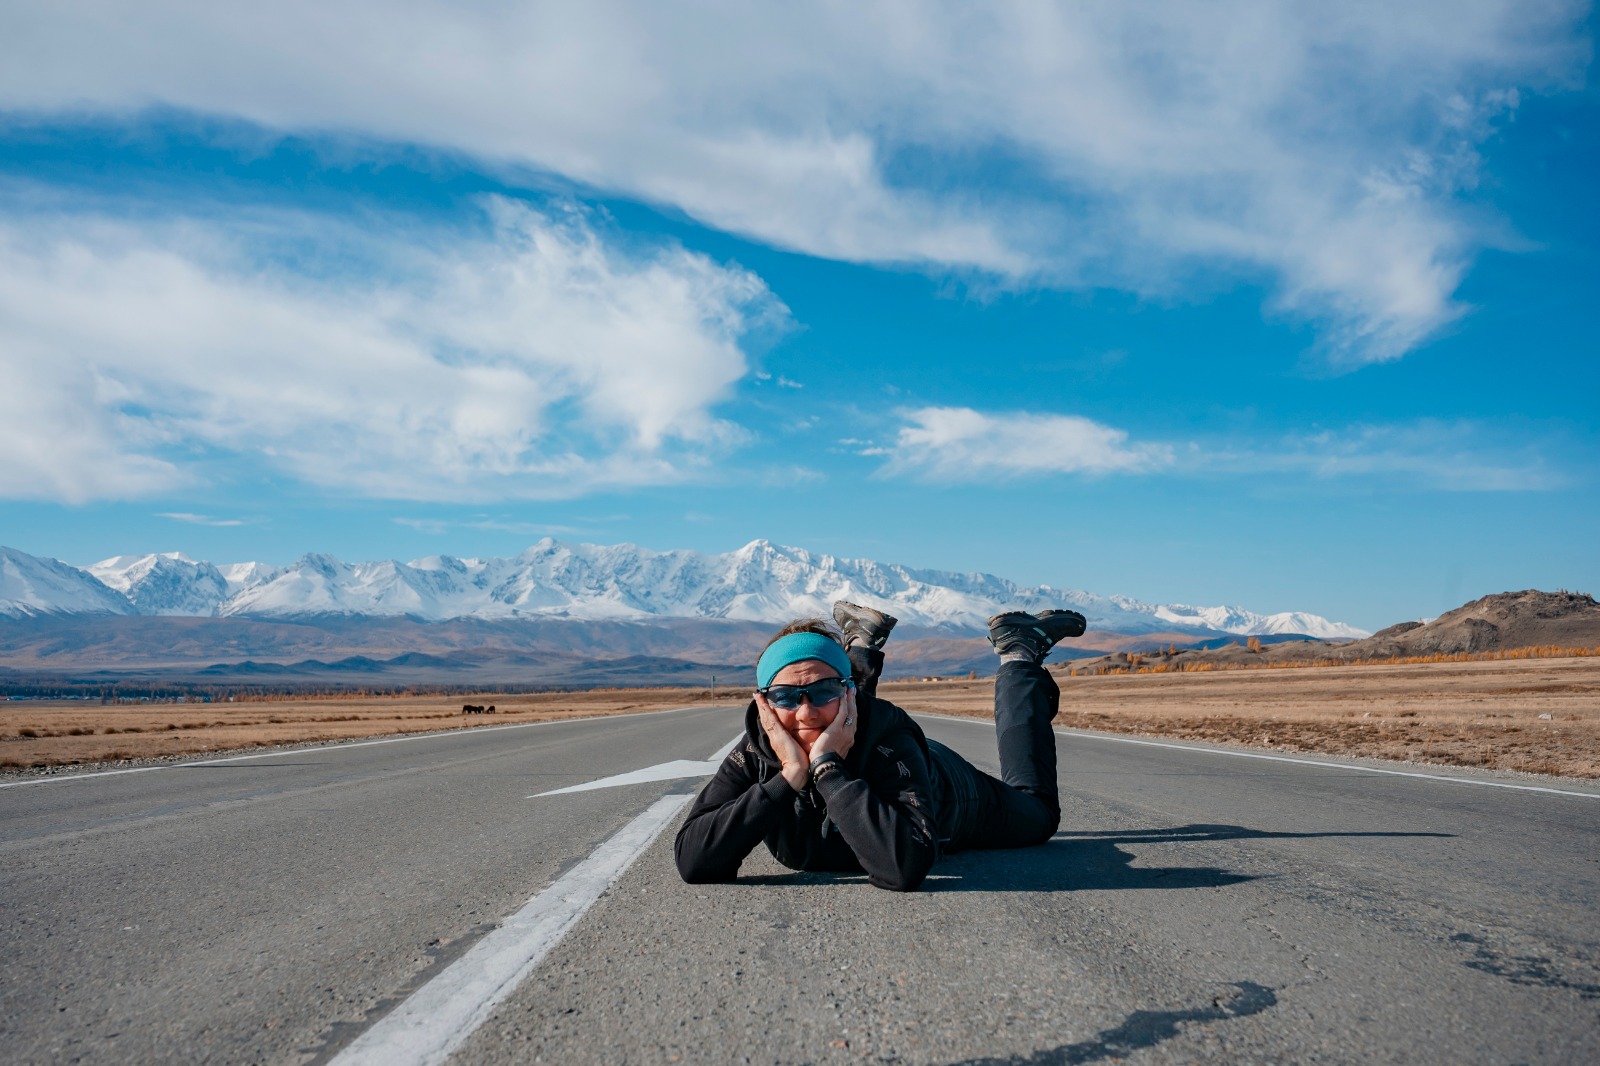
{"x": 805, "y": 723}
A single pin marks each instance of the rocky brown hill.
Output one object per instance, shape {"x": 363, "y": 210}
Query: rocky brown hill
{"x": 1502, "y": 622}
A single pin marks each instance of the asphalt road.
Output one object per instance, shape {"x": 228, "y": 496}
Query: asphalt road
{"x": 1196, "y": 907}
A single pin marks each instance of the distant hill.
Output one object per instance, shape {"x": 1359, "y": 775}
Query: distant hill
{"x": 1500, "y": 622}
{"x": 1505, "y": 621}
{"x": 339, "y": 650}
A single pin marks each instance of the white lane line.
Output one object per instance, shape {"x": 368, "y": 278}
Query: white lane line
{"x": 441, "y": 1014}
{"x": 1285, "y": 758}
{"x": 79, "y": 777}
{"x": 667, "y": 771}
{"x": 1328, "y": 765}
{"x": 340, "y": 747}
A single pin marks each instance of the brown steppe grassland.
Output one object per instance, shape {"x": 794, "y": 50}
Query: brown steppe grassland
{"x": 1537, "y": 714}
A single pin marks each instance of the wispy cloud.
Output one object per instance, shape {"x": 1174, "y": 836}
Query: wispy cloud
{"x": 206, "y": 520}
{"x": 439, "y": 526}
{"x": 529, "y": 359}
{"x": 1322, "y": 146}
{"x": 963, "y": 445}
{"x": 1460, "y": 456}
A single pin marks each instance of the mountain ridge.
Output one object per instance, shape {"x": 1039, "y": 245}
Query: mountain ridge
{"x": 759, "y": 582}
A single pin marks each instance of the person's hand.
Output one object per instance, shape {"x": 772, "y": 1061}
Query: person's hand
{"x": 796, "y": 766}
{"x": 840, "y": 735}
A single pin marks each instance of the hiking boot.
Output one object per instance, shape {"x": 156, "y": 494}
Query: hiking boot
{"x": 862, "y": 626}
{"x": 1033, "y": 635}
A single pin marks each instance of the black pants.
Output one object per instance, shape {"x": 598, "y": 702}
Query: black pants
{"x": 1023, "y": 807}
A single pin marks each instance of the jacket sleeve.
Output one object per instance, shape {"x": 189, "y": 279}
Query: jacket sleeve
{"x": 732, "y": 814}
{"x": 886, "y": 814}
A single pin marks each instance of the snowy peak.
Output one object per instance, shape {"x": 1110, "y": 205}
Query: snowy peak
{"x": 241, "y": 576}
{"x": 169, "y": 584}
{"x": 760, "y": 582}
{"x": 1248, "y": 623}
{"x": 32, "y": 586}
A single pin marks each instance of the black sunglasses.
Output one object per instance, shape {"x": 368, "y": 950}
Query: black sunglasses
{"x": 820, "y": 693}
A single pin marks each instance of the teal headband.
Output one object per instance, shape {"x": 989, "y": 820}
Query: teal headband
{"x": 796, "y": 648}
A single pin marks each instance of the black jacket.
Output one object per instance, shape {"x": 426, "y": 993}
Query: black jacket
{"x": 876, "y": 815}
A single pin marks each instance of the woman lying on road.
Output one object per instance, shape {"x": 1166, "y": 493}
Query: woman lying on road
{"x": 832, "y": 778}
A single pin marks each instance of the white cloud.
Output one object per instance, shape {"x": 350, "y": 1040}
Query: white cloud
{"x": 529, "y": 360}
{"x": 60, "y": 438}
{"x": 1320, "y": 146}
{"x": 960, "y": 444}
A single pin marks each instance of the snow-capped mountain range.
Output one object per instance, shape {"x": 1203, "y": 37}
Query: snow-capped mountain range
{"x": 760, "y": 582}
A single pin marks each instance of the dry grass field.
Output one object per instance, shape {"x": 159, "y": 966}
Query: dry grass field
{"x": 35, "y": 734}
{"x": 1533, "y": 715}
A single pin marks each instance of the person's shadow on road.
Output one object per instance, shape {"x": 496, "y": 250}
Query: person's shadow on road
{"x": 1079, "y": 861}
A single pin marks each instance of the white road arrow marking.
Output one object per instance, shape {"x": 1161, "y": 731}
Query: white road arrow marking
{"x": 667, "y": 771}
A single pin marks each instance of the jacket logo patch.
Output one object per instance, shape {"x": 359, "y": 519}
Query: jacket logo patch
{"x": 904, "y": 771}
{"x": 886, "y": 751}
{"x": 736, "y": 757}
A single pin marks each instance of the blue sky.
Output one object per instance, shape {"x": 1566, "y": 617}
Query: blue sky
{"x": 1224, "y": 303}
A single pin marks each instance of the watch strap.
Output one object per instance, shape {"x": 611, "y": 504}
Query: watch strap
{"x": 825, "y": 764}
